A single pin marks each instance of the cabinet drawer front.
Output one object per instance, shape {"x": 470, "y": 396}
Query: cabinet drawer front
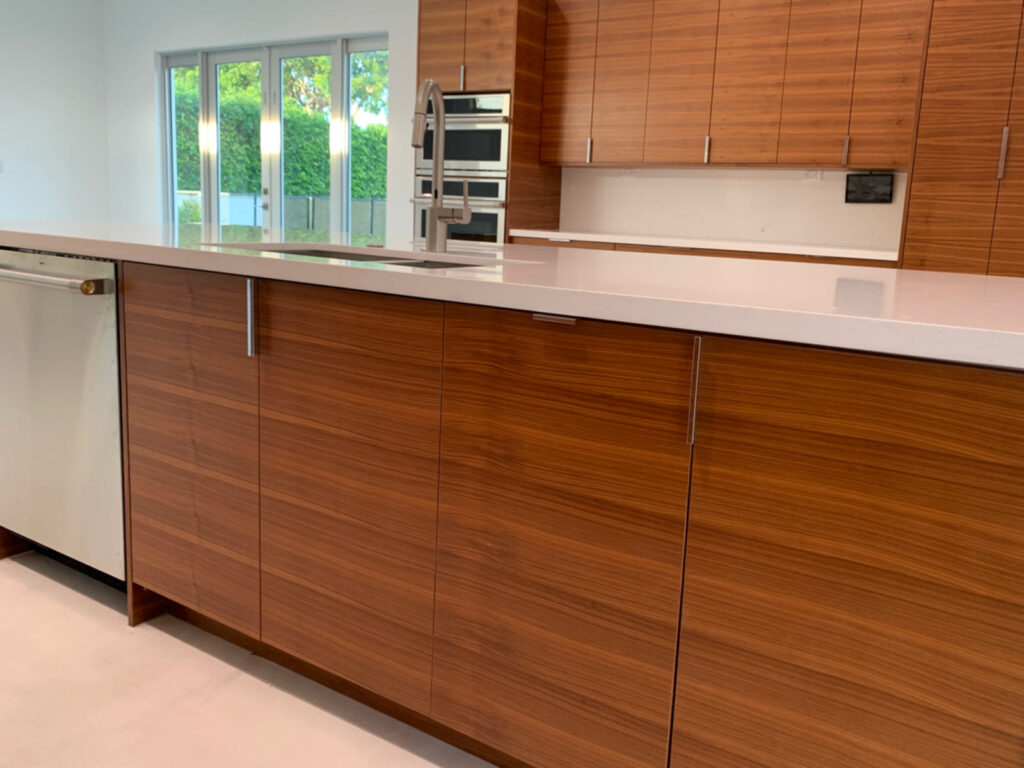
{"x": 562, "y": 512}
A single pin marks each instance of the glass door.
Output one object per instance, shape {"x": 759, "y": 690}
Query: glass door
{"x": 236, "y": 90}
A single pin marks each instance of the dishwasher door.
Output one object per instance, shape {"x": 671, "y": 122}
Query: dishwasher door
{"x": 60, "y": 415}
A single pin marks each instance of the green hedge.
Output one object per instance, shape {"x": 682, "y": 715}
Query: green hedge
{"x": 306, "y": 154}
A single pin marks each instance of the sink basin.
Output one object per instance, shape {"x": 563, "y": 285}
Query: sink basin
{"x": 324, "y": 253}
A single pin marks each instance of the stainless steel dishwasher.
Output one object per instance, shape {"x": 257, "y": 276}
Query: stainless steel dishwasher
{"x": 60, "y": 433}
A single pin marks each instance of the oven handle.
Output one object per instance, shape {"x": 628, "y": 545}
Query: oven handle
{"x": 476, "y": 203}
{"x": 481, "y": 119}
{"x": 86, "y": 287}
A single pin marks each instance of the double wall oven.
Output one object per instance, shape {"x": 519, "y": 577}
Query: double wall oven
{"x": 476, "y": 152}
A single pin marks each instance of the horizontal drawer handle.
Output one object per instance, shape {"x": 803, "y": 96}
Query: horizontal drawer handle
{"x": 556, "y": 319}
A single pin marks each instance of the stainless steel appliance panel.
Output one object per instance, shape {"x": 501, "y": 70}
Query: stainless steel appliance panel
{"x": 60, "y": 434}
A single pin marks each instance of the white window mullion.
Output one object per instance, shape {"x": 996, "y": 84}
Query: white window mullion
{"x": 340, "y": 211}
{"x": 209, "y": 184}
{"x": 270, "y": 143}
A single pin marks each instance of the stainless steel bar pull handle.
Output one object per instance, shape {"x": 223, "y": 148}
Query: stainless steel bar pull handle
{"x": 846, "y": 150}
{"x": 462, "y": 77}
{"x": 78, "y": 285}
{"x": 1002, "y": 153}
{"x": 556, "y": 319}
{"x": 590, "y": 148}
{"x": 250, "y": 316}
{"x": 707, "y": 149}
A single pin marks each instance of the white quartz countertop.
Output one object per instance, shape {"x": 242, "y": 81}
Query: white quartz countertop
{"x": 792, "y": 249}
{"x": 957, "y": 318}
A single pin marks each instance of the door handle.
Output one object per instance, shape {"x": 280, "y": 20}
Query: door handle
{"x": 250, "y": 316}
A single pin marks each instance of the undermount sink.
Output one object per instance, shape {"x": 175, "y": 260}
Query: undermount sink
{"x": 423, "y": 260}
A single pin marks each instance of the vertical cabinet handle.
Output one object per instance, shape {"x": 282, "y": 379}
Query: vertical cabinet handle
{"x": 590, "y": 148}
{"x": 462, "y": 77}
{"x": 846, "y": 150}
{"x": 1002, "y": 153}
{"x": 707, "y": 149}
{"x": 250, "y": 316}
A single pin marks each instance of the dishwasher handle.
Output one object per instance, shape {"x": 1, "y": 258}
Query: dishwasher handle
{"x": 87, "y": 287}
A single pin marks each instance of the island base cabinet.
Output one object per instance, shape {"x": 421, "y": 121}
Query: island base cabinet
{"x": 564, "y": 470}
{"x": 854, "y": 587}
{"x": 193, "y": 441}
{"x": 350, "y": 405}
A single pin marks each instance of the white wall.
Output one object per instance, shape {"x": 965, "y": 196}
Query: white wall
{"x": 757, "y": 204}
{"x": 53, "y": 131}
{"x": 136, "y": 30}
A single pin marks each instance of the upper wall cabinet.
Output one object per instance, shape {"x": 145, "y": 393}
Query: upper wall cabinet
{"x": 682, "y": 74}
{"x": 820, "y": 64}
{"x": 972, "y": 52}
{"x": 750, "y": 67}
{"x": 468, "y": 45}
{"x": 887, "y": 82}
{"x": 595, "y": 94}
{"x": 812, "y": 83}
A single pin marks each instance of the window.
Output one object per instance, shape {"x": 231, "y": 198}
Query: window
{"x": 288, "y": 141}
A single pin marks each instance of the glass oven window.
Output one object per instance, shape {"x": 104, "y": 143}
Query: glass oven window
{"x": 483, "y": 227}
{"x": 474, "y": 145}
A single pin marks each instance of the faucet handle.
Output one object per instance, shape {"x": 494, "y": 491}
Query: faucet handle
{"x": 467, "y": 214}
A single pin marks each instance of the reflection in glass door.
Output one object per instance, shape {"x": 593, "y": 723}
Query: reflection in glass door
{"x": 368, "y": 140}
{"x": 183, "y": 145}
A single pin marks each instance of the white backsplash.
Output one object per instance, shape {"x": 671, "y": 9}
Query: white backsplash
{"x": 757, "y": 204}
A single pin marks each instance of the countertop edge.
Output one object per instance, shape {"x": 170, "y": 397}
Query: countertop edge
{"x": 951, "y": 344}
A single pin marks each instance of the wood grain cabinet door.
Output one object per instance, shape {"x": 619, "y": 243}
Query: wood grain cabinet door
{"x": 750, "y": 66}
{"x": 1007, "y": 256}
{"x": 682, "y": 74}
{"x": 350, "y": 393}
{"x": 193, "y": 441}
{"x": 887, "y": 83}
{"x": 568, "y": 81}
{"x": 442, "y": 42}
{"x": 854, "y": 588}
{"x": 621, "y": 71}
{"x": 490, "y": 44}
{"x": 564, "y": 472}
{"x": 968, "y": 82}
{"x": 820, "y": 60}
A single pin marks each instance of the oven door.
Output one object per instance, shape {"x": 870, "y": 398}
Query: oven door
{"x": 486, "y": 226}
{"x": 477, "y": 146}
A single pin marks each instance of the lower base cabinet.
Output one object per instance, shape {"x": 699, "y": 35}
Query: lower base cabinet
{"x": 564, "y": 470}
{"x": 496, "y": 520}
{"x": 350, "y": 405}
{"x": 192, "y": 397}
{"x": 854, "y": 592}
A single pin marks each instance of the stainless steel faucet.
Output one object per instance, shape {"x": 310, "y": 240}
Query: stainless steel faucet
{"x": 438, "y": 217}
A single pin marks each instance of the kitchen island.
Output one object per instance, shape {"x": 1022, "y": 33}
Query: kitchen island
{"x": 579, "y": 509}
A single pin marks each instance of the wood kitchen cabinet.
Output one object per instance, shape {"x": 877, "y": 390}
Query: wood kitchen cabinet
{"x": 564, "y": 472}
{"x": 854, "y": 590}
{"x": 193, "y": 441}
{"x": 568, "y": 81}
{"x": 750, "y": 68}
{"x": 968, "y": 84}
{"x": 1007, "y": 253}
{"x": 821, "y": 56}
{"x": 468, "y": 45}
{"x": 621, "y": 70}
{"x": 682, "y": 73}
{"x": 887, "y": 83}
{"x": 350, "y": 399}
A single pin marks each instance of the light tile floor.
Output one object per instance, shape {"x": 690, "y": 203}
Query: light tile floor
{"x": 80, "y": 689}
